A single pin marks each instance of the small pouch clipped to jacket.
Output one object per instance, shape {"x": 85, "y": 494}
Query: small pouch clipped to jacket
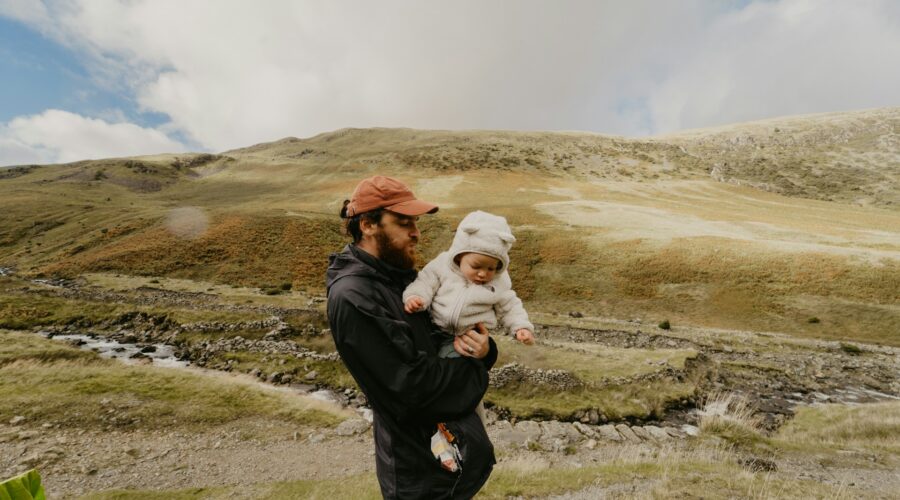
{"x": 443, "y": 446}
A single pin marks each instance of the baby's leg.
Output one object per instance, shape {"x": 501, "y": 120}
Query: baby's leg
{"x": 446, "y": 349}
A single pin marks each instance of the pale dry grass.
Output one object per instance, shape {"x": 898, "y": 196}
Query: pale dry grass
{"x": 647, "y": 472}
{"x": 591, "y": 363}
{"x": 873, "y": 427}
{"x": 730, "y": 417}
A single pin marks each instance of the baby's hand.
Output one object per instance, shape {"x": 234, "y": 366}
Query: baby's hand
{"x": 413, "y": 304}
{"x": 525, "y": 336}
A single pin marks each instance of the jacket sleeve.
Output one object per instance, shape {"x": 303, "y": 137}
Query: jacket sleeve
{"x": 426, "y": 284}
{"x": 396, "y": 377}
{"x": 511, "y": 313}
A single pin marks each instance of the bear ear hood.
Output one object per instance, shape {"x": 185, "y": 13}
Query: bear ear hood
{"x": 484, "y": 233}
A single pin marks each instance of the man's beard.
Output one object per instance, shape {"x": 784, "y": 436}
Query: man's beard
{"x": 392, "y": 255}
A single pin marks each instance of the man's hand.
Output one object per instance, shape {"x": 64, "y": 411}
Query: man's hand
{"x": 413, "y": 304}
{"x": 473, "y": 343}
{"x": 525, "y": 336}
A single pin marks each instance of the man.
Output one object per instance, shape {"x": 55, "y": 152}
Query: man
{"x": 392, "y": 356}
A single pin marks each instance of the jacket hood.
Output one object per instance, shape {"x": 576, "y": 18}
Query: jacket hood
{"x": 484, "y": 233}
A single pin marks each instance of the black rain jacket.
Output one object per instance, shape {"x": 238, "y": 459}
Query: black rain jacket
{"x": 393, "y": 358}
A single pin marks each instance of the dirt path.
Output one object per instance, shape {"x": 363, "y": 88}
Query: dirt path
{"x": 74, "y": 462}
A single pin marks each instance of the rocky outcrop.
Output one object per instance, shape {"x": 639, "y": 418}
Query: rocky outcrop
{"x": 515, "y": 373}
{"x": 201, "y": 352}
{"x": 555, "y": 436}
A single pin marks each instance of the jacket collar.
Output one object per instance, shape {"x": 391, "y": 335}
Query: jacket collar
{"x": 354, "y": 261}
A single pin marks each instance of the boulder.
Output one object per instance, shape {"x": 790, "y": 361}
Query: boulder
{"x": 559, "y": 430}
{"x": 351, "y": 427}
{"x": 627, "y": 433}
{"x": 504, "y": 435}
{"x": 519, "y": 435}
{"x": 657, "y": 433}
{"x": 642, "y": 433}
{"x": 675, "y": 433}
{"x": 608, "y": 432}
{"x": 690, "y": 430}
{"x": 585, "y": 429}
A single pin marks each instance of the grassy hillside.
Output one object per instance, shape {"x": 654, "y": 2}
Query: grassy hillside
{"x": 787, "y": 225}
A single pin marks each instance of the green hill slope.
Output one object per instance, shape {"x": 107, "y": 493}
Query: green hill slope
{"x": 787, "y": 225}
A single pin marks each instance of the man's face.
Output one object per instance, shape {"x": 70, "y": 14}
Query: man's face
{"x": 397, "y": 237}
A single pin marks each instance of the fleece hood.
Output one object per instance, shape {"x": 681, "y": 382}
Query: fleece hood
{"x": 484, "y": 233}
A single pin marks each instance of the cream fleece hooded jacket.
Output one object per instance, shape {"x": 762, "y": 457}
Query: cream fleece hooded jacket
{"x": 457, "y": 304}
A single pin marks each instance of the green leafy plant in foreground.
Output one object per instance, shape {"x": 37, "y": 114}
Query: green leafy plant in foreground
{"x": 25, "y": 486}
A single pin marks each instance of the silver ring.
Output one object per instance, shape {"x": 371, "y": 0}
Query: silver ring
{"x": 470, "y": 349}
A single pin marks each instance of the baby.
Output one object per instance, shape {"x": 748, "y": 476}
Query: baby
{"x": 469, "y": 284}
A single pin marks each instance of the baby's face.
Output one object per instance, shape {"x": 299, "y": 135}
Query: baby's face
{"x": 478, "y": 268}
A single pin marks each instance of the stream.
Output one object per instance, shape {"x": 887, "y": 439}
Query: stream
{"x": 163, "y": 355}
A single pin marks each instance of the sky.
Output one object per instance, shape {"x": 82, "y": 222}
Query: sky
{"x": 83, "y": 79}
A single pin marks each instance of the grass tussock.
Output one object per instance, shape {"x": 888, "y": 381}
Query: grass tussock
{"x": 77, "y": 391}
{"x": 731, "y": 417}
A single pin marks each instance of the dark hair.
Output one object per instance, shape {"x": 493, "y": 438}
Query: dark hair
{"x": 351, "y": 224}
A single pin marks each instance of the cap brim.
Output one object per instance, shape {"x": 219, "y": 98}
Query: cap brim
{"x": 413, "y": 208}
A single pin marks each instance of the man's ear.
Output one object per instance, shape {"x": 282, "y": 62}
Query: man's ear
{"x": 367, "y": 226}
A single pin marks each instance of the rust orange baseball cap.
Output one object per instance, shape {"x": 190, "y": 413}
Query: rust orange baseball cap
{"x": 388, "y": 193}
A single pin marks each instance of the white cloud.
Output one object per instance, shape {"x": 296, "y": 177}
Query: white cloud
{"x": 785, "y": 58}
{"x": 57, "y": 136}
{"x": 231, "y": 73}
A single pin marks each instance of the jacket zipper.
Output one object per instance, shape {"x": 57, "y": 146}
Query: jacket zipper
{"x": 457, "y": 308}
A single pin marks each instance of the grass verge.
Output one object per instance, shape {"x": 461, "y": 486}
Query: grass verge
{"x": 618, "y": 382}
{"x": 39, "y": 379}
{"x": 872, "y": 427}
